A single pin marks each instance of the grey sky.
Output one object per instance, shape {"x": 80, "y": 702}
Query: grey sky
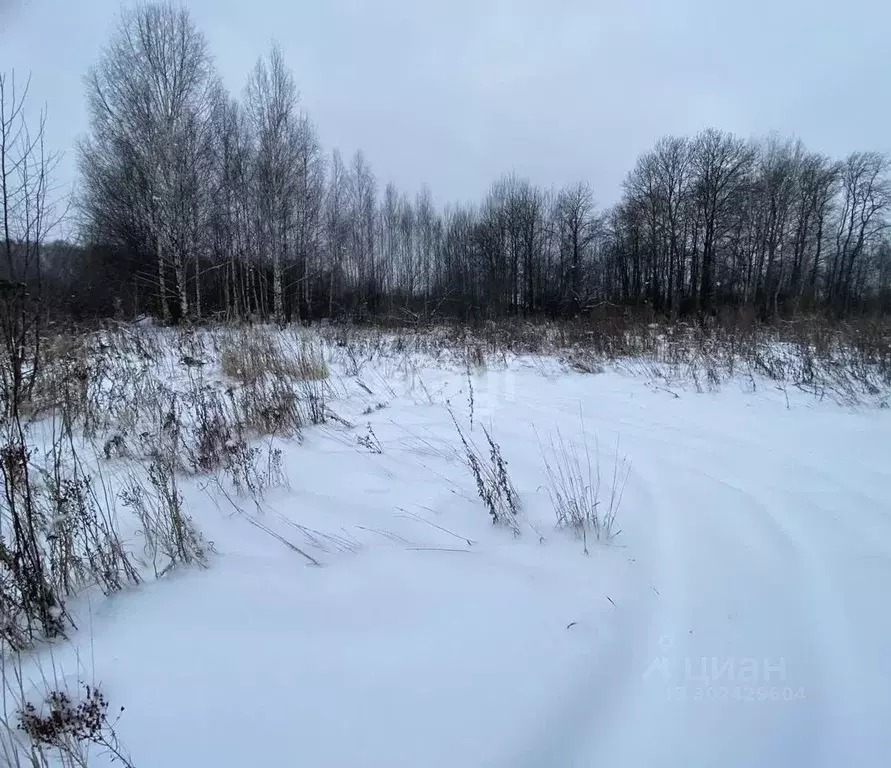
{"x": 456, "y": 92}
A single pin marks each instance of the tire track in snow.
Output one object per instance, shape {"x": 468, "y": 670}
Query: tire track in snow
{"x": 796, "y": 611}
{"x": 845, "y": 673}
{"x": 617, "y": 642}
{"x": 730, "y": 606}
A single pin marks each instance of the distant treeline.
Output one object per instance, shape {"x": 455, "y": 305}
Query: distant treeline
{"x": 193, "y": 203}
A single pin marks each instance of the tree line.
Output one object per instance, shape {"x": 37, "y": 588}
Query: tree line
{"x": 196, "y": 204}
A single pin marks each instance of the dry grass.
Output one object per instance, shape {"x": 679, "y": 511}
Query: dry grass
{"x": 493, "y": 483}
{"x": 170, "y": 537}
{"x": 846, "y": 361}
{"x": 248, "y": 355}
{"x": 575, "y": 485}
{"x": 55, "y": 725}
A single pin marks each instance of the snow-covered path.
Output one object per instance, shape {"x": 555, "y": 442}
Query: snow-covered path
{"x": 771, "y": 548}
{"x": 739, "y": 619}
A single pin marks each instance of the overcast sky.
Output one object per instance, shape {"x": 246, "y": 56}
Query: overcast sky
{"x": 456, "y": 92}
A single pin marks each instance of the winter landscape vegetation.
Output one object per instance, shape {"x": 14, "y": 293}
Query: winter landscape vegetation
{"x": 303, "y": 469}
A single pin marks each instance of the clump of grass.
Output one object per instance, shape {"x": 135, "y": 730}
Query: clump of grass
{"x": 475, "y": 356}
{"x": 310, "y": 360}
{"x": 584, "y": 361}
{"x": 270, "y": 407}
{"x": 369, "y": 441}
{"x": 82, "y": 540}
{"x": 493, "y": 483}
{"x": 65, "y": 719}
{"x": 252, "y": 354}
{"x": 283, "y": 380}
{"x": 574, "y": 488}
{"x": 171, "y": 537}
{"x": 60, "y": 729}
{"x": 213, "y": 433}
{"x": 248, "y": 355}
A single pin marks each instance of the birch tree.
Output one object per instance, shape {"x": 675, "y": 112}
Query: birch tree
{"x": 144, "y": 160}
{"x": 272, "y": 101}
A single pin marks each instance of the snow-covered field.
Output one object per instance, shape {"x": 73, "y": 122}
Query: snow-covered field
{"x": 739, "y": 618}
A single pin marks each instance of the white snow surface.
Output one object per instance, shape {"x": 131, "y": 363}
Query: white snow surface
{"x": 740, "y": 618}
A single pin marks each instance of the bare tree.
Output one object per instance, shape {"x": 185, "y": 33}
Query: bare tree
{"x": 774, "y": 184}
{"x": 576, "y": 228}
{"x": 272, "y": 101}
{"x": 816, "y": 181}
{"x": 30, "y": 210}
{"x": 337, "y": 227}
{"x": 144, "y": 162}
{"x": 673, "y": 174}
{"x": 425, "y": 241}
{"x": 229, "y": 210}
{"x": 411, "y": 278}
{"x": 389, "y": 237}
{"x": 309, "y": 202}
{"x": 362, "y": 207}
{"x": 865, "y": 200}
{"x": 721, "y": 163}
